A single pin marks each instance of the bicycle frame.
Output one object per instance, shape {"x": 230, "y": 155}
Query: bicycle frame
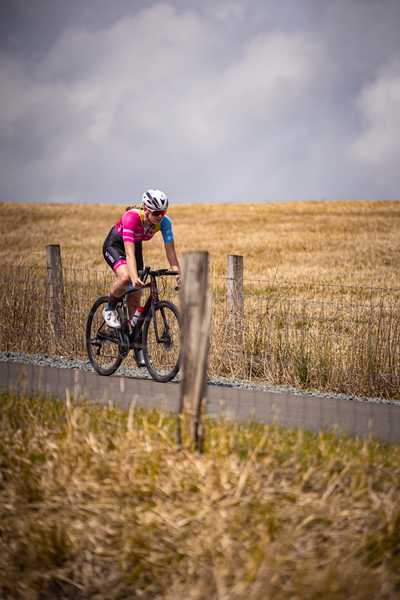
{"x": 150, "y": 304}
{"x": 159, "y": 323}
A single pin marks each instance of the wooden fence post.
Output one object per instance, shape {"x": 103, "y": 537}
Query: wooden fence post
{"x": 56, "y": 290}
{"x": 195, "y": 331}
{"x": 234, "y": 284}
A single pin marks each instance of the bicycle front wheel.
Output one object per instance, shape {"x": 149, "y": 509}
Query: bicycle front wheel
{"x": 162, "y": 341}
{"x": 101, "y": 340}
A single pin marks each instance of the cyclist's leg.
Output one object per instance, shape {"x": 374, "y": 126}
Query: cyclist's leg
{"x": 133, "y": 299}
{"x": 109, "y": 312}
{"x": 122, "y": 282}
{"x": 113, "y": 254}
{"x": 132, "y": 302}
{"x": 115, "y": 257}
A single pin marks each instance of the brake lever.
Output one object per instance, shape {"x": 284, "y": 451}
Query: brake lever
{"x": 143, "y": 274}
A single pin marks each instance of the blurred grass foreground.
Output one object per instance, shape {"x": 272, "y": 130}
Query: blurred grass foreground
{"x": 99, "y": 503}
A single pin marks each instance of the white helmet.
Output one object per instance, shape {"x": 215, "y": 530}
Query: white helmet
{"x": 155, "y": 200}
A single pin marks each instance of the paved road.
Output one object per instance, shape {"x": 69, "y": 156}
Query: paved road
{"x": 289, "y": 410}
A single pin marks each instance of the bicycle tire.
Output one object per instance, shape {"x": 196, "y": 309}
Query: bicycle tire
{"x": 101, "y": 340}
{"x": 162, "y": 359}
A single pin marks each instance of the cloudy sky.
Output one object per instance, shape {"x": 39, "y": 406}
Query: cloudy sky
{"x": 209, "y": 101}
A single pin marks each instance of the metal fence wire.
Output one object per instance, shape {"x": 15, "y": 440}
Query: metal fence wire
{"x": 331, "y": 338}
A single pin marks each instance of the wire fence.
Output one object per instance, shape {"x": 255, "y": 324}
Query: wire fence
{"x": 313, "y": 336}
{"x": 326, "y": 337}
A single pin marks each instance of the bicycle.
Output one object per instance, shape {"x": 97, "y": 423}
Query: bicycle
{"x": 160, "y": 325}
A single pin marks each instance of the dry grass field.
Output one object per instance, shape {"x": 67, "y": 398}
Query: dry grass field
{"x": 353, "y": 243}
{"x": 328, "y": 337}
{"x": 97, "y": 503}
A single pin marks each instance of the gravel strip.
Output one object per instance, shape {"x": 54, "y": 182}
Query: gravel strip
{"x": 62, "y": 362}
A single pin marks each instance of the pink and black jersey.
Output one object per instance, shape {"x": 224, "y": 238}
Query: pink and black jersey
{"x": 130, "y": 227}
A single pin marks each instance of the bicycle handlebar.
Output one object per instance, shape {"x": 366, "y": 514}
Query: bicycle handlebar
{"x": 143, "y": 273}
{"x": 157, "y": 273}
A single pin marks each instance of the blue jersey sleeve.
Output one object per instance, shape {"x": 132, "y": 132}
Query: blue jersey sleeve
{"x": 166, "y": 230}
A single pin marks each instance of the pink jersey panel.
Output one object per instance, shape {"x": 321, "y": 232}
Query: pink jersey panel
{"x": 130, "y": 228}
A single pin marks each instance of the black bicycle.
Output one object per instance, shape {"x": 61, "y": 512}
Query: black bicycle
{"x": 157, "y": 330}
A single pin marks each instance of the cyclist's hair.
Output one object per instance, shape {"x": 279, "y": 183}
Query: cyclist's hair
{"x": 135, "y": 206}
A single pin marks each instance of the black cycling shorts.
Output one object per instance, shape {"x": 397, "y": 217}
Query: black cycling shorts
{"x": 114, "y": 251}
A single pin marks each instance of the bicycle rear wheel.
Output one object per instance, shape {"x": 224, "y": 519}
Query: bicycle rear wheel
{"x": 162, "y": 341}
{"x": 101, "y": 340}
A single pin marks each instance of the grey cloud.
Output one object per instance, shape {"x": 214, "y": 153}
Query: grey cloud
{"x": 297, "y": 101}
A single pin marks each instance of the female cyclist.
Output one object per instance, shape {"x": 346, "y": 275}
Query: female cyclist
{"x": 122, "y": 249}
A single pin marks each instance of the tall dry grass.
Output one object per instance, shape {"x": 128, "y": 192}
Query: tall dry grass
{"x": 97, "y": 503}
{"x": 327, "y": 339}
{"x": 354, "y": 242}
{"x": 311, "y": 337}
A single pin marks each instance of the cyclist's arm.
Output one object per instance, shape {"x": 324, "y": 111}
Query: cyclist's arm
{"x": 131, "y": 263}
{"x": 172, "y": 259}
